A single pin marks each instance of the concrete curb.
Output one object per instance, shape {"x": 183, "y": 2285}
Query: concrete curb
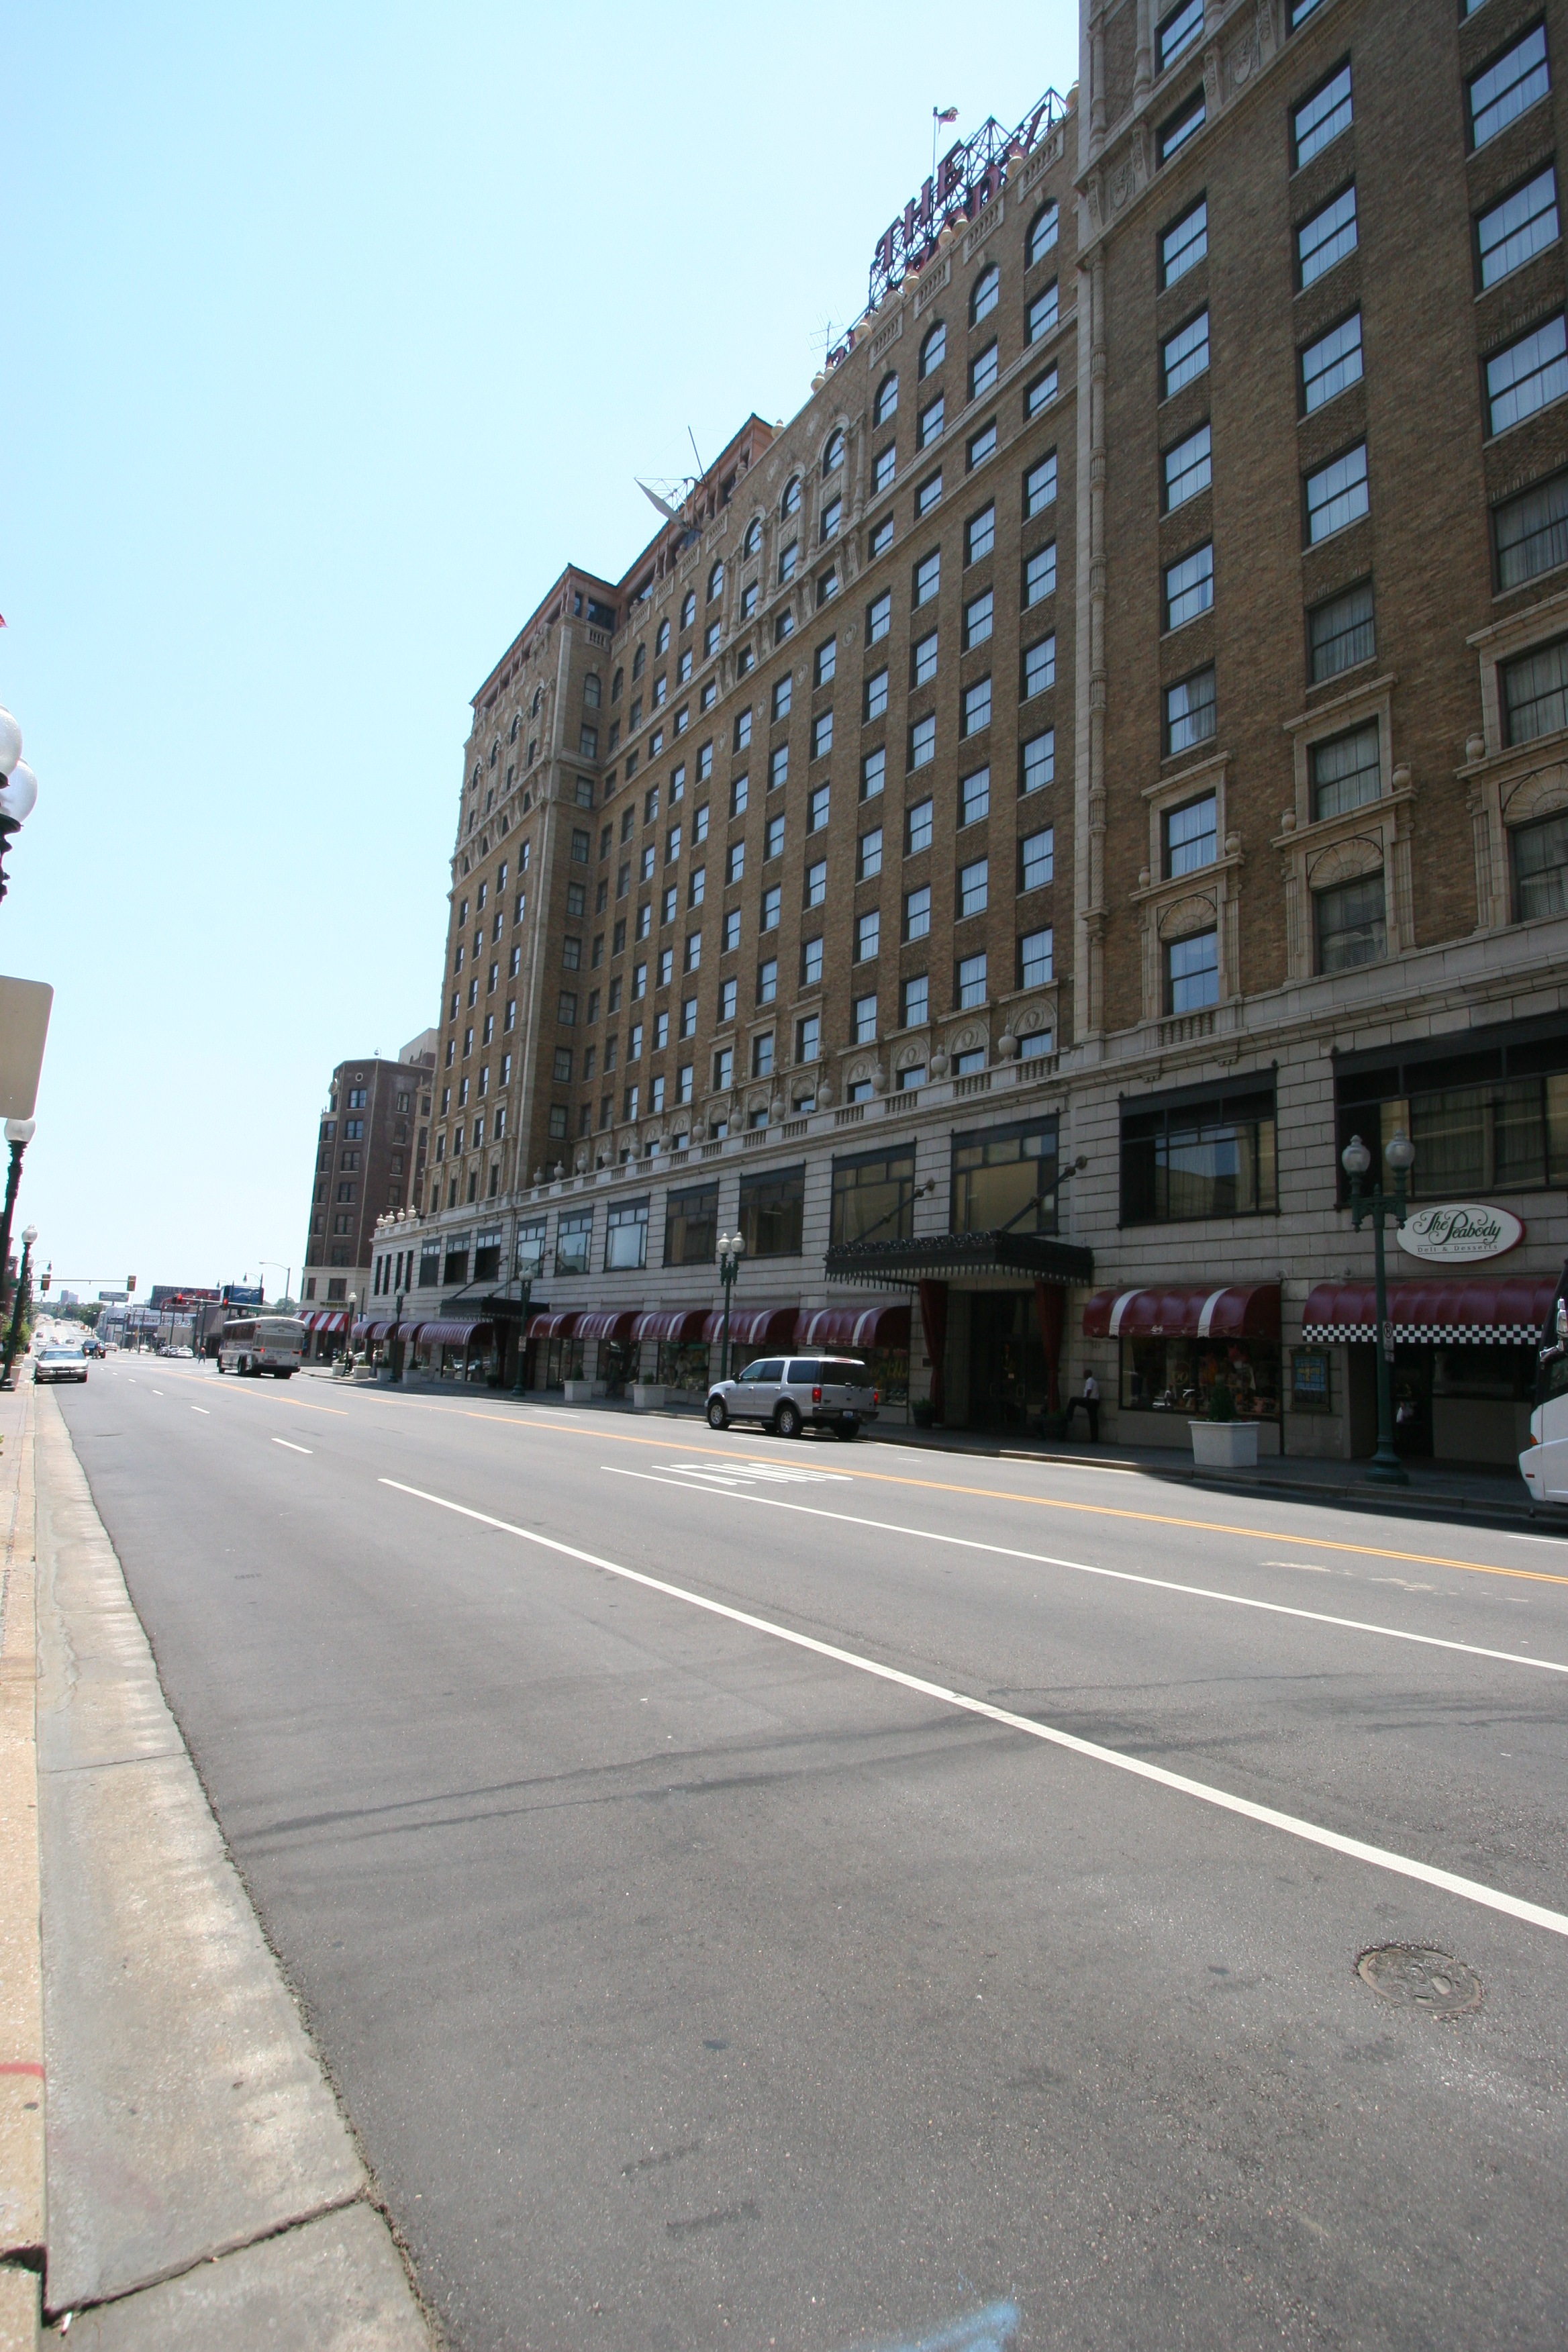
{"x": 22, "y": 2115}
{"x": 203, "y": 2184}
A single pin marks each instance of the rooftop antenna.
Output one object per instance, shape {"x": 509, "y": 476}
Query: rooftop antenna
{"x": 701, "y": 469}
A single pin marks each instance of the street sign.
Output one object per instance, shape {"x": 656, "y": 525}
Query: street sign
{"x": 24, "y": 1024}
{"x": 236, "y": 1294}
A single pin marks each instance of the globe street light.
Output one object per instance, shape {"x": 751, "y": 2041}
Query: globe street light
{"x": 18, "y": 789}
{"x": 30, "y": 1235}
{"x": 731, "y": 1250}
{"x": 1385, "y": 1467}
{"x": 19, "y": 1133}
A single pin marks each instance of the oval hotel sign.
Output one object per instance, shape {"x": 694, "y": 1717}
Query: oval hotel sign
{"x": 1459, "y": 1232}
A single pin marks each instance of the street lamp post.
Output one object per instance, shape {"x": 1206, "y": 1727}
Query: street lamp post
{"x": 13, "y": 1337}
{"x": 19, "y": 788}
{"x": 519, "y": 1383}
{"x": 352, "y": 1303}
{"x": 731, "y": 1250}
{"x": 1385, "y": 1467}
{"x": 18, "y": 1135}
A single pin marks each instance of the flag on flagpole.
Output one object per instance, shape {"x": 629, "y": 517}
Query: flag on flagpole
{"x": 945, "y": 113}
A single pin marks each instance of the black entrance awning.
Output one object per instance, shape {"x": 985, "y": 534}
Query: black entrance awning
{"x": 940, "y": 1257}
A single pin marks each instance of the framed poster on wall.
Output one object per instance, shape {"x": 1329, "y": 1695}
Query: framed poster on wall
{"x": 1310, "y": 1379}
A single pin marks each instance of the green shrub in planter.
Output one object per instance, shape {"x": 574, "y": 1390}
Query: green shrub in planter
{"x": 1222, "y": 1404}
{"x": 924, "y": 1412}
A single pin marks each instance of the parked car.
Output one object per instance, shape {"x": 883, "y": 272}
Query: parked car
{"x": 790, "y": 1393}
{"x": 59, "y": 1364}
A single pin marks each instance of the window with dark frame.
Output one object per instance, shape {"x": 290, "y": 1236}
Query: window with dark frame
{"x": 1331, "y": 363}
{"x": 1004, "y": 1179}
{"x": 1517, "y": 227}
{"x": 1184, "y": 244}
{"x": 1189, "y": 712}
{"x": 1502, "y": 89}
{"x": 772, "y": 1211}
{"x": 1351, "y": 923}
{"x": 1530, "y": 532}
{"x": 1192, "y": 973}
{"x": 1188, "y": 838}
{"x": 1533, "y": 691}
{"x": 1340, "y": 632}
{"x": 1197, "y": 1155}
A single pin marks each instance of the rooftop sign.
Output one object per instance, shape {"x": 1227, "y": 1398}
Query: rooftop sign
{"x": 972, "y": 172}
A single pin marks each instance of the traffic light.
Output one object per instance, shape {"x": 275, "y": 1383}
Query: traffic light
{"x": 130, "y": 1282}
{"x": 43, "y": 1282}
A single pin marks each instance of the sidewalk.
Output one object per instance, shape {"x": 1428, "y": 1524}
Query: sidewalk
{"x": 203, "y": 2187}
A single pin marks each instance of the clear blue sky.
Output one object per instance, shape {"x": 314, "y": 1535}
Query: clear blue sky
{"x": 334, "y": 332}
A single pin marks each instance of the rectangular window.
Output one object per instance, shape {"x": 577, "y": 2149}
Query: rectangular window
{"x": 1189, "y": 712}
{"x": 868, "y": 855}
{"x": 778, "y": 766}
{"x": 930, "y": 424}
{"x": 1527, "y": 374}
{"x": 868, "y": 936}
{"x": 1189, "y": 586}
{"x": 1184, "y": 125}
{"x": 977, "y": 619}
{"x": 1530, "y": 531}
{"x": 787, "y": 560}
{"x": 916, "y": 827}
{"x": 810, "y": 962}
{"x": 1326, "y": 239}
{"x": 566, "y": 1008}
{"x": 873, "y": 774}
{"x": 865, "y": 1021}
{"x": 1034, "y": 959}
{"x": 1510, "y": 232}
{"x": 982, "y": 372}
{"x": 1039, "y": 667}
{"x": 816, "y": 889}
{"x": 1185, "y": 355}
{"x": 574, "y": 1240}
{"x": 1540, "y": 868}
{"x": 1337, "y": 494}
{"x": 1535, "y": 693}
{"x": 1192, "y": 973}
{"x": 562, "y": 1065}
{"x": 928, "y": 576}
{"x": 692, "y": 1225}
{"x": 1036, "y": 860}
{"x": 1041, "y": 575}
{"x": 1037, "y": 761}
{"x": 1005, "y": 1180}
{"x": 1346, "y": 772}
{"x": 1040, "y": 319}
{"x": 1340, "y": 632}
{"x": 974, "y": 888}
{"x": 1040, "y": 487}
{"x": 975, "y": 797}
{"x": 827, "y": 661}
{"x": 781, "y": 695}
{"x": 883, "y": 467}
{"x": 981, "y": 445}
{"x": 879, "y": 617}
{"x": 1321, "y": 117}
{"x": 979, "y": 538}
{"x": 1504, "y": 89}
{"x": 976, "y": 707}
{"x": 917, "y": 912}
{"x": 773, "y": 899}
{"x": 723, "y": 1070}
{"x": 1216, "y": 1157}
{"x": 876, "y": 701}
{"x": 1040, "y": 393}
{"x": 816, "y": 809}
{"x": 916, "y": 996}
{"x": 763, "y": 1055}
{"x": 1184, "y": 243}
{"x": 1331, "y": 363}
{"x": 927, "y": 495}
{"x": 1188, "y": 837}
{"x": 969, "y": 983}
{"x": 1186, "y": 468}
{"x": 626, "y": 1237}
{"x": 922, "y": 743}
{"x": 1351, "y": 923}
{"x": 822, "y": 735}
{"x": 808, "y": 1037}
{"x": 1178, "y": 31}
{"x": 873, "y": 1195}
{"x": 881, "y": 538}
{"x": 771, "y": 1212}
{"x": 831, "y": 514}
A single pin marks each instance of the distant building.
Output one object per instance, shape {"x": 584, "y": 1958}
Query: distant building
{"x": 370, "y": 1151}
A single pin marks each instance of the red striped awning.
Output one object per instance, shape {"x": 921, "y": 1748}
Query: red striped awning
{"x": 1496, "y": 1310}
{"x": 552, "y": 1327}
{"x": 332, "y": 1322}
{"x": 606, "y": 1324}
{"x": 453, "y": 1332}
{"x": 682, "y": 1323}
{"x": 754, "y": 1326}
{"x": 1185, "y": 1311}
{"x": 883, "y": 1326}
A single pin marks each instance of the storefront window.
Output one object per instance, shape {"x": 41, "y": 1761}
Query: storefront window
{"x": 691, "y": 1226}
{"x": 683, "y": 1364}
{"x": 1178, "y": 1376}
{"x": 1005, "y": 1177}
{"x": 771, "y": 1212}
{"x": 531, "y": 1248}
{"x": 573, "y": 1236}
{"x": 873, "y": 1194}
{"x": 626, "y": 1236}
{"x": 1186, "y": 1160}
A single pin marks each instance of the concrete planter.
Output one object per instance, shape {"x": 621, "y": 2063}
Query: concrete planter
{"x": 647, "y": 1396}
{"x": 582, "y": 1391}
{"x": 1225, "y": 1445}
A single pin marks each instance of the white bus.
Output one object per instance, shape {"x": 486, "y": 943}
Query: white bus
{"x": 1544, "y": 1465}
{"x": 262, "y": 1343}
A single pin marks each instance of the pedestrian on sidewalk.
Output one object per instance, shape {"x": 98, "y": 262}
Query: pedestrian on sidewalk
{"x": 1088, "y": 1403}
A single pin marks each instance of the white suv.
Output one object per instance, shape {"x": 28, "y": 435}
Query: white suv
{"x": 785, "y": 1392}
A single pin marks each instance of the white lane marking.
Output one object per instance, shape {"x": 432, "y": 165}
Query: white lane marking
{"x": 1402, "y": 1865}
{"x": 290, "y": 1445}
{"x": 778, "y": 1473}
{"x": 1126, "y": 1575}
{"x": 203, "y": 1410}
{"x": 157, "y": 1392}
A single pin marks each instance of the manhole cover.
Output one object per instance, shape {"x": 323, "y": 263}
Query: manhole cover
{"x": 1413, "y": 1977}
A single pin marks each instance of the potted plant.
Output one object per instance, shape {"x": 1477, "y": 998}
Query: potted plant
{"x": 1220, "y": 1441}
{"x": 923, "y": 1413}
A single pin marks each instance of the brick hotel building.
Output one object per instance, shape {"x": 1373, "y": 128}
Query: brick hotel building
{"x": 1022, "y": 817}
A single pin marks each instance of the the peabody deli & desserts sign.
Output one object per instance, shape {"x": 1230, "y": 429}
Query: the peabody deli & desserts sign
{"x": 1456, "y": 1232}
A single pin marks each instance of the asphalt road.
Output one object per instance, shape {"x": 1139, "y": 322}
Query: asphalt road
{"x": 711, "y": 1870}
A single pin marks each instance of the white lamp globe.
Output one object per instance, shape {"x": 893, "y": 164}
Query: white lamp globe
{"x": 19, "y": 791}
{"x": 10, "y": 743}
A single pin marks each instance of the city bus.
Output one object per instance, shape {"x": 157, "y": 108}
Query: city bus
{"x": 262, "y": 1343}
{"x": 1544, "y": 1466}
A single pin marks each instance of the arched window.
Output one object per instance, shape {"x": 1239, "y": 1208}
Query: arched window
{"x": 511, "y": 737}
{"x": 688, "y": 609}
{"x": 753, "y": 538}
{"x": 474, "y": 778}
{"x": 832, "y": 456}
{"x": 1042, "y": 235}
{"x": 495, "y": 751}
{"x": 933, "y": 351}
{"x": 790, "y": 504}
{"x": 887, "y": 399}
{"x": 590, "y": 689}
{"x": 987, "y": 295}
{"x": 715, "y": 581}
{"x": 538, "y": 699}
{"x": 662, "y": 637}
{"x": 639, "y": 660}
{"x": 616, "y": 683}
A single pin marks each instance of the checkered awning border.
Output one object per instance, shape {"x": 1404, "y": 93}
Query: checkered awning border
{"x": 1488, "y": 1335}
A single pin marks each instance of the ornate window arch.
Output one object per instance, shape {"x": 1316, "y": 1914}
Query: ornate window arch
{"x": 833, "y": 454}
{"x": 887, "y": 398}
{"x": 790, "y": 502}
{"x": 1042, "y": 236}
{"x": 933, "y": 350}
{"x": 715, "y": 581}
